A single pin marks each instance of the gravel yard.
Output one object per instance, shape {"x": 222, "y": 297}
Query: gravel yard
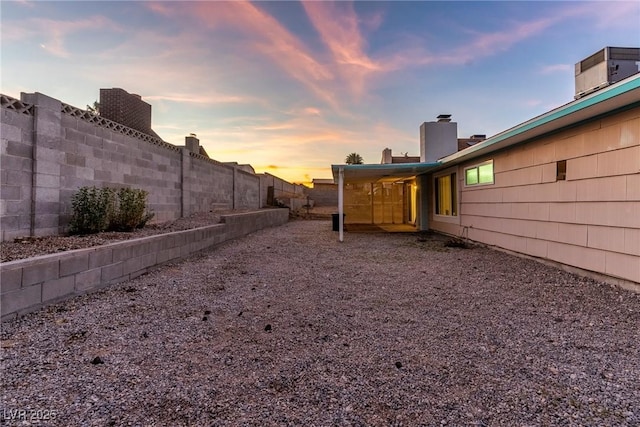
{"x": 28, "y": 247}
{"x": 289, "y": 327}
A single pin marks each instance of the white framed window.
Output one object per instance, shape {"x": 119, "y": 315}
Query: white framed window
{"x": 446, "y": 195}
{"x": 480, "y": 174}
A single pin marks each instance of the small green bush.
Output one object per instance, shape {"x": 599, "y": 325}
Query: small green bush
{"x": 101, "y": 209}
{"x": 131, "y": 212}
{"x": 92, "y": 209}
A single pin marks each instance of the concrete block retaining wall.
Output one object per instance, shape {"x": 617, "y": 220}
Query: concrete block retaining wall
{"x": 26, "y": 285}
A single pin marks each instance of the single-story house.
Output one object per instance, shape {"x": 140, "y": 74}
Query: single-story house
{"x": 563, "y": 186}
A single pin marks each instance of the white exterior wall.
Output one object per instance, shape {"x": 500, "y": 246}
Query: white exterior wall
{"x": 590, "y": 221}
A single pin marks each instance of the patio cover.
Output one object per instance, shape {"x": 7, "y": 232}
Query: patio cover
{"x": 390, "y": 172}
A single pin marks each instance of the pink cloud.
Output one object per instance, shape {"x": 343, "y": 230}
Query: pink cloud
{"x": 340, "y": 32}
{"x": 268, "y": 37}
{"x": 618, "y": 14}
{"x": 312, "y": 111}
{"x": 205, "y": 99}
{"x": 338, "y": 25}
{"x": 161, "y": 8}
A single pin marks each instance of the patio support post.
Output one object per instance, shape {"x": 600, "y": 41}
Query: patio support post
{"x": 341, "y": 202}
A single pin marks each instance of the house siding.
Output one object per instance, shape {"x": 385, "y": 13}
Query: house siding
{"x": 591, "y": 220}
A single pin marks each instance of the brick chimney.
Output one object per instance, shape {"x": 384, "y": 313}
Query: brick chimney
{"x": 127, "y": 109}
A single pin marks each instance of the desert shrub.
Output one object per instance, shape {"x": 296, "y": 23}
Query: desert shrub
{"x": 92, "y": 210}
{"x": 131, "y": 211}
{"x": 100, "y": 209}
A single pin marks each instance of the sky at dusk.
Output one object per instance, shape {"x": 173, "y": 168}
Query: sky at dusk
{"x": 292, "y": 88}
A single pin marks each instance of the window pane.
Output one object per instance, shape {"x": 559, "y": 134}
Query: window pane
{"x": 446, "y": 195}
{"x": 471, "y": 176}
{"x": 437, "y": 191}
{"x": 485, "y": 173}
{"x": 443, "y": 203}
{"x": 443, "y": 183}
{"x": 454, "y": 194}
{"x": 561, "y": 170}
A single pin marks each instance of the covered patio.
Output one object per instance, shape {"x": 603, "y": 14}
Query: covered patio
{"x": 382, "y": 197}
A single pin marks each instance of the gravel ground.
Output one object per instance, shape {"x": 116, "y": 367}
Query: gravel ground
{"x": 288, "y": 327}
{"x": 28, "y": 247}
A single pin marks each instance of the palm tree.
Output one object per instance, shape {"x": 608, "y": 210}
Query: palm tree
{"x": 95, "y": 109}
{"x": 354, "y": 159}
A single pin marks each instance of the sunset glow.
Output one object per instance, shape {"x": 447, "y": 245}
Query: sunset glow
{"x": 292, "y": 88}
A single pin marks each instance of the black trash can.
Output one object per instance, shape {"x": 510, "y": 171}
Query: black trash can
{"x": 335, "y": 219}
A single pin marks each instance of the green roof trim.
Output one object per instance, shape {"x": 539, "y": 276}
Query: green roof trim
{"x": 577, "y": 105}
{"x": 541, "y": 124}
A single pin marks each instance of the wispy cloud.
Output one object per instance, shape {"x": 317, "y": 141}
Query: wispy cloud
{"x": 53, "y": 33}
{"x": 415, "y": 51}
{"x": 493, "y": 43}
{"x": 556, "y": 68}
{"x": 338, "y": 26}
{"x": 190, "y": 98}
{"x": 532, "y": 102}
{"x": 265, "y": 35}
{"x": 349, "y": 73}
{"x": 612, "y": 14}
{"x": 479, "y": 45}
{"x": 26, "y": 3}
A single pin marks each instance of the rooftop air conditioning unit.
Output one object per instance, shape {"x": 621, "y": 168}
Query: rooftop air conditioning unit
{"x": 605, "y": 67}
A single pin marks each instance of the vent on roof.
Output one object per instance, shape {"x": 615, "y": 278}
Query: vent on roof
{"x": 605, "y": 67}
{"x": 444, "y": 118}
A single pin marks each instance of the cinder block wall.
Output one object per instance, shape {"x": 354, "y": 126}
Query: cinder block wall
{"x": 247, "y": 194}
{"x": 33, "y": 283}
{"x": 16, "y": 167}
{"x": 91, "y": 155}
{"x": 324, "y": 195}
{"x": 292, "y": 195}
{"x": 51, "y": 149}
{"x": 208, "y": 185}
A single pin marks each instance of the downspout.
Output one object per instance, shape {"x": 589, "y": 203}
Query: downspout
{"x": 341, "y": 202}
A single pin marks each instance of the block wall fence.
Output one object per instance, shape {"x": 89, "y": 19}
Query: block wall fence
{"x": 325, "y": 195}
{"x": 32, "y": 283}
{"x": 50, "y": 149}
{"x": 291, "y": 195}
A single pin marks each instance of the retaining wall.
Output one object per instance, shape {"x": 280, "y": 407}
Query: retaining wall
{"x": 27, "y": 285}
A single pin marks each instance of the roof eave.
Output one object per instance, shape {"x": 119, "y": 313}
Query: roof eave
{"x": 382, "y": 172}
{"x": 619, "y": 95}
